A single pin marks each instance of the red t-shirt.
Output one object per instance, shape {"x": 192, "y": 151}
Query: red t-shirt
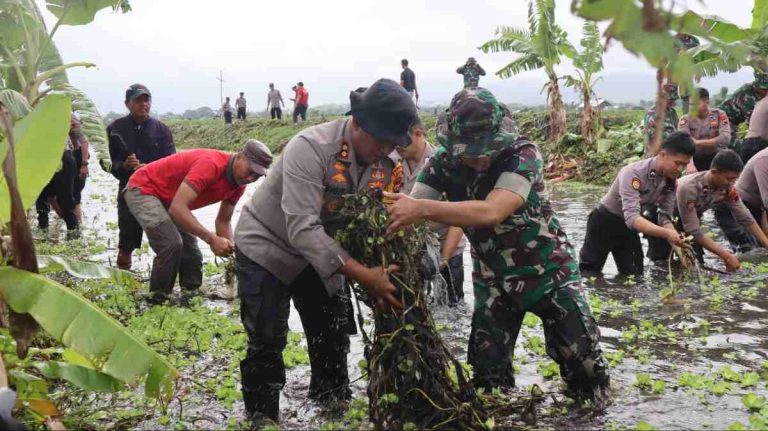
{"x": 203, "y": 170}
{"x": 302, "y": 96}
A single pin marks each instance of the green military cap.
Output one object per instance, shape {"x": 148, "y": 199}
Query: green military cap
{"x": 672, "y": 91}
{"x": 474, "y": 125}
{"x": 761, "y": 79}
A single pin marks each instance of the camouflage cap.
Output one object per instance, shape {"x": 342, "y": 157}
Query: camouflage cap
{"x": 473, "y": 125}
{"x": 761, "y": 80}
{"x": 672, "y": 91}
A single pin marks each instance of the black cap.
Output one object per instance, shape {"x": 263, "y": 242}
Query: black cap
{"x": 136, "y": 90}
{"x": 384, "y": 110}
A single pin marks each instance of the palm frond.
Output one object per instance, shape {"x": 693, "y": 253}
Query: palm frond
{"x": 92, "y": 125}
{"x": 711, "y": 59}
{"x": 521, "y": 64}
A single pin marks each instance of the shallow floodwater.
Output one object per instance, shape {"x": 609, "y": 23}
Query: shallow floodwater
{"x": 723, "y": 324}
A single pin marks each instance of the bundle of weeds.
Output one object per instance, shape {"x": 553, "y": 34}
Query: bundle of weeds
{"x": 408, "y": 364}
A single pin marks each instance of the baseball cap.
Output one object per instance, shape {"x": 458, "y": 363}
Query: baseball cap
{"x": 385, "y": 111}
{"x": 473, "y": 123}
{"x": 259, "y": 156}
{"x": 136, "y": 90}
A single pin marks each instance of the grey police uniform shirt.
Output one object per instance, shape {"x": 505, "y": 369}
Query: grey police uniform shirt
{"x": 409, "y": 180}
{"x": 638, "y": 185}
{"x": 753, "y": 182}
{"x": 695, "y": 196}
{"x": 758, "y": 121}
{"x": 714, "y": 125}
{"x": 284, "y": 226}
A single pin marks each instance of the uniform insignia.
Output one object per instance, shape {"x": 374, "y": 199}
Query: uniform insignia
{"x": 344, "y": 154}
{"x": 396, "y": 183}
{"x": 683, "y": 121}
{"x": 636, "y": 183}
{"x": 723, "y": 119}
{"x": 691, "y": 205}
{"x": 713, "y": 122}
{"x": 340, "y": 177}
{"x": 733, "y": 195}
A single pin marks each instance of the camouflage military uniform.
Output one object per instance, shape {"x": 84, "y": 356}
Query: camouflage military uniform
{"x": 472, "y": 73}
{"x": 526, "y": 263}
{"x": 671, "y": 121}
{"x": 687, "y": 42}
{"x": 739, "y": 105}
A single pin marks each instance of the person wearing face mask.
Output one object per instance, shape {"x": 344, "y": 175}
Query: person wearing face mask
{"x": 494, "y": 184}
{"x": 162, "y": 195}
{"x": 701, "y": 191}
{"x": 285, "y": 247}
{"x": 613, "y": 227}
{"x": 134, "y": 140}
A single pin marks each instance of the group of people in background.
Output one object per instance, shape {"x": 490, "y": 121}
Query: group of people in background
{"x": 275, "y": 104}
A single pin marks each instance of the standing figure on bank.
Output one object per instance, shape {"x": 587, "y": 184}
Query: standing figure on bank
{"x": 408, "y": 80}
{"x": 274, "y": 101}
{"x": 613, "y": 227}
{"x": 739, "y": 105}
{"x": 226, "y": 111}
{"x": 413, "y": 159}
{"x": 162, "y": 195}
{"x": 494, "y": 183}
{"x": 134, "y": 141}
{"x": 240, "y": 105}
{"x": 671, "y": 119}
{"x": 301, "y": 103}
{"x": 709, "y": 129}
{"x": 696, "y": 193}
{"x": 285, "y": 249}
{"x": 471, "y": 72}
{"x": 80, "y": 150}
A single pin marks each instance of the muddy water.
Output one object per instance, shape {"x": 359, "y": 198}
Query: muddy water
{"x": 708, "y": 333}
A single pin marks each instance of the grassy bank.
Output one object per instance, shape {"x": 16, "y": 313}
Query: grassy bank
{"x": 620, "y": 140}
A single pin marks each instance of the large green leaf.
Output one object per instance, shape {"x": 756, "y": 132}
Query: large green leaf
{"x": 16, "y": 104}
{"x": 82, "y": 269}
{"x": 92, "y": 125}
{"x": 80, "y": 325}
{"x": 79, "y": 12}
{"x": 82, "y": 377}
{"x": 759, "y": 14}
{"x": 40, "y": 139}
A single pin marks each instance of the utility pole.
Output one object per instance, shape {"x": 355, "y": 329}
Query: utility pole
{"x": 221, "y": 88}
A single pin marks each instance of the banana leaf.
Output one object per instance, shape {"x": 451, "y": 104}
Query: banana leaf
{"x": 82, "y": 377}
{"x": 83, "y": 327}
{"x": 80, "y": 12}
{"x": 82, "y": 269}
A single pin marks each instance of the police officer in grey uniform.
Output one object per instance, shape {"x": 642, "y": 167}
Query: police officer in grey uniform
{"x": 710, "y": 131}
{"x": 612, "y": 228}
{"x": 701, "y": 191}
{"x": 285, "y": 249}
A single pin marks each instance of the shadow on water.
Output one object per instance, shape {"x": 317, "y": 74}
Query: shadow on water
{"x": 702, "y": 350}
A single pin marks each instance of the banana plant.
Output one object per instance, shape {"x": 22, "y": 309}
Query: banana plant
{"x": 540, "y": 46}
{"x": 588, "y": 63}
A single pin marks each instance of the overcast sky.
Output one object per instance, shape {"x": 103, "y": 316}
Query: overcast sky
{"x": 177, "y": 47}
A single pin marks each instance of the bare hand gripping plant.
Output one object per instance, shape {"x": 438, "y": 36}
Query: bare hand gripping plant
{"x": 408, "y": 365}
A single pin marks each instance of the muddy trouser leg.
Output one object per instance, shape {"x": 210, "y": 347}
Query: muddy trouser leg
{"x": 191, "y": 266}
{"x": 42, "y": 205}
{"x": 327, "y": 323}
{"x": 279, "y": 113}
{"x": 78, "y": 183}
{"x": 264, "y": 308}
{"x": 164, "y": 238}
{"x": 573, "y": 340}
{"x": 63, "y": 186}
{"x": 658, "y": 248}
{"x": 596, "y": 248}
{"x": 453, "y": 274}
{"x": 130, "y": 232}
{"x": 627, "y": 252}
{"x": 495, "y": 326}
{"x": 740, "y": 239}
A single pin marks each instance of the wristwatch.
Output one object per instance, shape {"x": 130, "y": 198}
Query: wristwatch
{"x": 84, "y": 163}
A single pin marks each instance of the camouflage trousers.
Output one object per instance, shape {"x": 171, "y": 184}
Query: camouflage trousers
{"x": 571, "y": 333}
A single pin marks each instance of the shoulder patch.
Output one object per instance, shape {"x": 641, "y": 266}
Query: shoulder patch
{"x": 733, "y": 195}
{"x": 636, "y": 183}
{"x": 684, "y": 121}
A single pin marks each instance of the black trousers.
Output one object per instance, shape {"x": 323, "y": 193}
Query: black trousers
{"x": 130, "y": 232}
{"x": 658, "y": 248}
{"x": 454, "y": 279}
{"x": 300, "y": 110}
{"x": 740, "y": 239}
{"x": 61, "y": 187}
{"x": 703, "y": 161}
{"x": 241, "y": 113}
{"x": 752, "y": 146}
{"x": 227, "y": 117}
{"x": 78, "y": 183}
{"x": 608, "y": 234}
{"x": 276, "y": 113}
{"x": 264, "y": 309}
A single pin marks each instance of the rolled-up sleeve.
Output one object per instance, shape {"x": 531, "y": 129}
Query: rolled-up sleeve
{"x": 630, "y": 198}
{"x": 723, "y": 131}
{"x": 303, "y": 174}
{"x": 686, "y": 206}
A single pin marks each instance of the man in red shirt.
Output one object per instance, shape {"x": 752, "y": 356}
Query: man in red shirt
{"x": 162, "y": 195}
{"x": 302, "y": 103}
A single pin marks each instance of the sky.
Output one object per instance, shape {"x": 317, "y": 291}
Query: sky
{"x": 178, "y": 47}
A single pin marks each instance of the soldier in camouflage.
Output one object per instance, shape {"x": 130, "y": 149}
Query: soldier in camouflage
{"x": 671, "y": 119}
{"x": 494, "y": 184}
{"x": 687, "y": 42}
{"x": 472, "y": 73}
{"x": 739, "y": 105}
